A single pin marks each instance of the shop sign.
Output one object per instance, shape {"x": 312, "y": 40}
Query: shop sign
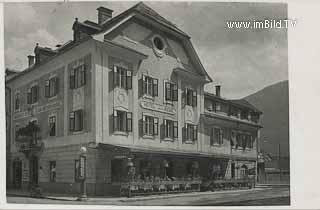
{"x": 158, "y": 107}
{"x": 37, "y": 109}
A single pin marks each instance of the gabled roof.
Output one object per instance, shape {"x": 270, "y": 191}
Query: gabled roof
{"x": 145, "y": 10}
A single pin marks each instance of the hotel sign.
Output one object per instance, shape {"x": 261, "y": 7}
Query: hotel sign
{"x": 158, "y": 107}
{"x": 37, "y": 109}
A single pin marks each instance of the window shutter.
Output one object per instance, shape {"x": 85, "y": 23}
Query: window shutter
{"x": 72, "y": 79}
{"x": 195, "y": 133}
{"x": 115, "y": 76}
{"x": 83, "y": 73}
{"x": 129, "y": 79}
{"x": 194, "y": 98}
{"x": 144, "y": 84}
{"x": 71, "y": 121}
{"x": 222, "y": 134}
{"x": 56, "y": 85}
{"x": 168, "y": 91}
{"x": 80, "y": 115}
{"x": 175, "y": 92}
{"x": 143, "y": 125}
{"x": 29, "y": 96}
{"x": 165, "y": 128}
{"x": 155, "y": 87}
{"x": 175, "y": 129}
{"x": 129, "y": 121}
{"x": 155, "y": 126}
{"x": 47, "y": 89}
{"x": 115, "y": 120}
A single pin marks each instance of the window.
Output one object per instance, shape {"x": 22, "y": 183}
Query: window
{"x": 33, "y": 95}
{"x": 158, "y": 43}
{"x": 150, "y": 86}
{"x": 244, "y": 115}
{"x": 52, "y": 126}
{"x": 216, "y": 136}
{"x": 171, "y": 91}
{"x": 78, "y": 76}
{"x": 170, "y": 129}
{"x": 191, "y": 97}
{"x": 122, "y": 77}
{"x": 191, "y": 132}
{"x": 244, "y": 140}
{"x": 51, "y": 87}
{"x": 52, "y": 171}
{"x": 150, "y": 125}
{"x": 17, "y": 101}
{"x": 233, "y": 111}
{"x": 122, "y": 121}
{"x": 76, "y": 120}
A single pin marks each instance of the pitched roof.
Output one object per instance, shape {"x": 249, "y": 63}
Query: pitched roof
{"x": 245, "y": 103}
{"x": 238, "y": 102}
{"x": 145, "y": 10}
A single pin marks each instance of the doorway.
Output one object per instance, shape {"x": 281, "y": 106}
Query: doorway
{"x": 34, "y": 164}
{"x": 17, "y": 174}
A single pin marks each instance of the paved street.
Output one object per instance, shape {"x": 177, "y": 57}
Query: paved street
{"x": 276, "y": 196}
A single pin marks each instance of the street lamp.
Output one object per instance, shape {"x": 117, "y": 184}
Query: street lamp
{"x": 82, "y": 173}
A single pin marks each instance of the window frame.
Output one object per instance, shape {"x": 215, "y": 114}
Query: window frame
{"x": 126, "y": 124}
{"x": 170, "y": 125}
{"x": 73, "y": 121}
{"x": 217, "y": 140}
{"x": 191, "y": 98}
{"x": 150, "y": 125}
{"x": 191, "y": 130}
{"x": 55, "y": 125}
{"x": 77, "y": 76}
{"x": 51, "y": 87}
{"x": 150, "y": 86}
{"x": 122, "y": 77}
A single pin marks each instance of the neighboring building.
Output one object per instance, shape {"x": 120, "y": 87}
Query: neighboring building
{"x": 129, "y": 88}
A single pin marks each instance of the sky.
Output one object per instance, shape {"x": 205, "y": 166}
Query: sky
{"x": 242, "y": 61}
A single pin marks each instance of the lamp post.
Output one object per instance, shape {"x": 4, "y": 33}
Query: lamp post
{"x": 82, "y": 173}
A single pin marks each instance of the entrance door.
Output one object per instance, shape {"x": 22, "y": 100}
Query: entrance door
{"x": 34, "y": 170}
{"x": 17, "y": 174}
{"x": 233, "y": 168}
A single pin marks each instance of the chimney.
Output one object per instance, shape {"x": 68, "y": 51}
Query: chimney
{"x": 104, "y": 14}
{"x": 30, "y": 60}
{"x": 218, "y": 88}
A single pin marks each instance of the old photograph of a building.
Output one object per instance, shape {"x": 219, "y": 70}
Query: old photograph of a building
{"x": 168, "y": 102}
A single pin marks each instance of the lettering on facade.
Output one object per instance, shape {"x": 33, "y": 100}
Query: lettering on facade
{"x": 37, "y": 109}
{"x": 158, "y": 107}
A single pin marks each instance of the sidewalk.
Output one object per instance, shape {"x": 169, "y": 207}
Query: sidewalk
{"x": 20, "y": 193}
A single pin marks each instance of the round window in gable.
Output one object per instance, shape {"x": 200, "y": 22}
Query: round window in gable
{"x": 158, "y": 43}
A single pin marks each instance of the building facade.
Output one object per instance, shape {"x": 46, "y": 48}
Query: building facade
{"x": 130, "y": 89}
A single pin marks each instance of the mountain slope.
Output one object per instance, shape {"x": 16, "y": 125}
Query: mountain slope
{"x": 273, "y": 101}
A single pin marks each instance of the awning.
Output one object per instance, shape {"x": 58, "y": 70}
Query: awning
{"x": 124, "y": 149}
